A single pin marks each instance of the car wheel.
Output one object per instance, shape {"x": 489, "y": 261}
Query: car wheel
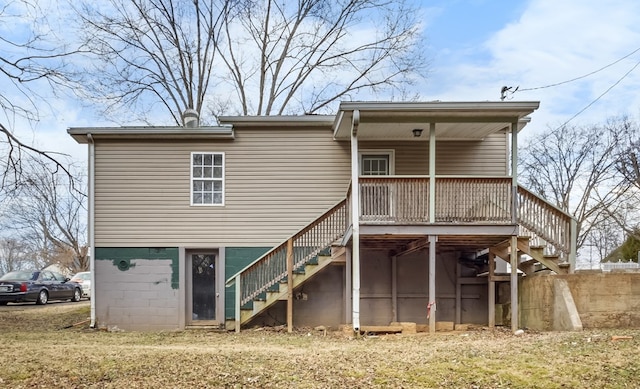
{"x": 43, "y": 297}
{"x": 77, "y": 295}
{"x": 4, "y": 302}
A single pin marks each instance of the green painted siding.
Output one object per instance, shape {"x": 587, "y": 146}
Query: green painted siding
{"x": 124, "y": 258}
{"x": 236, "y": 258}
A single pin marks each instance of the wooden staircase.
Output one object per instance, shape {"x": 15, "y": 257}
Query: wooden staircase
{"x": 266, "y": 280}
{"x": 536, "y": 254}
{"x": 280, "y": 291}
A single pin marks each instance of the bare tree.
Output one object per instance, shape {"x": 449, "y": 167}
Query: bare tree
{"x": 627, "y": 213}
{"x": 604, "y": 239}
{"x": 49, "y": 215}
{"x": 30, "y": 62}
{"x": 14, "y": 255}
{"x": 151, "y": 52}
{"x": 247, "y": 56}
{"x": 302, "y": 56}
{"x": 575, "y": 169}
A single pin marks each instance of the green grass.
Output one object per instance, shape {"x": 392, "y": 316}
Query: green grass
{"x": 46, "y": 354}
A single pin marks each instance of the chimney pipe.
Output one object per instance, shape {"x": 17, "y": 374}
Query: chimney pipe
{"x": 190, "y": 118}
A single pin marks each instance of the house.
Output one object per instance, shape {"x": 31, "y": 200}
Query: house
{"x": 384, "y": 212}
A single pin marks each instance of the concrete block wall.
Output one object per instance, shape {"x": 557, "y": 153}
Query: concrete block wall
{"x": 143, "y": 296}
{"x": 603, "y": 300}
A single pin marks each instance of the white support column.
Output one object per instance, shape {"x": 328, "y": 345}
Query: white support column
{"x": 514, "y": 283}
{"x": 514, "y": 172}
{"x": 514, "y": 219}
{"x": 431, "y": 307}
{"x": 432, "y": 173}
{"x": 355, "y": 222}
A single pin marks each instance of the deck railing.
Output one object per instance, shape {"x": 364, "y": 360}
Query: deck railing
{"x": 405, "y": 200}
{"x": 546, "y": 225}
{"x": 271, "y": 268}
{"x": 466, "y": 200}
{"x": 473, "y": 200}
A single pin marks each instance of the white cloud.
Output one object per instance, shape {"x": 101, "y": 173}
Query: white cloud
{"x": 549, "y": 43}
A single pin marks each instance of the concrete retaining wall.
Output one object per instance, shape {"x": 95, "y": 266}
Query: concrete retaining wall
{"x": 603, "y": 300}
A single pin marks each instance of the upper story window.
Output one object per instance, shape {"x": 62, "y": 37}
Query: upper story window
{"x": 207, "y": 178}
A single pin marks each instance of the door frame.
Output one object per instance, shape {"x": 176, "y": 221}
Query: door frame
{"x": 219, "y": 287}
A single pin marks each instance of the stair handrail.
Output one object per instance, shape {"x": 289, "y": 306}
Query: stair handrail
{"x": 333, "y": 233}
{"x": 565, "y": 244}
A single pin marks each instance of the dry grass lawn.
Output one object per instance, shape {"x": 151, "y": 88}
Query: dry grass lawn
{"x": 38, "y": 351}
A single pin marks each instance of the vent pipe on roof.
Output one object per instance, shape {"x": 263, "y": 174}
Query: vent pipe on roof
{"x": 190, "y": 118}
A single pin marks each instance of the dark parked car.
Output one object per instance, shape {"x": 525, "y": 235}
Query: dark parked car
{"x": 38, "y": 286}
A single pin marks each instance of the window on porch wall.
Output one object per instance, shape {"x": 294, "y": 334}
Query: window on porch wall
{"x": 375, "y": 197}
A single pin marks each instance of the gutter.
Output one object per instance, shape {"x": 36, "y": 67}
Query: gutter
{"x": 90, "y": 227}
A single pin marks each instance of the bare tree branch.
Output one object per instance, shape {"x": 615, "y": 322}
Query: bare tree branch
{"x": 152, "y": 52}
{"x": 574, "y": 168}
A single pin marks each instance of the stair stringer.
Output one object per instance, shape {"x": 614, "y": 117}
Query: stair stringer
{"x": 503, "y": 251}
{"x": 310, "y": 270}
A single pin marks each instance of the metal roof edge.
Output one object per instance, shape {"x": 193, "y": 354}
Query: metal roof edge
{"x": 80, "y": 134}
{"x": 278, "y": 120}
{"x": 437, "y": 105}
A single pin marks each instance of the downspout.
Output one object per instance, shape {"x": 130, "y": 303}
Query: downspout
{"x": 90, "y": 227}
{"x": 355, "y": 222}
{"x": 514, "y": 219}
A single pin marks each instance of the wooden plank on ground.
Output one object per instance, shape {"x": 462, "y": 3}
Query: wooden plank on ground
{"x": 381, "y": 329}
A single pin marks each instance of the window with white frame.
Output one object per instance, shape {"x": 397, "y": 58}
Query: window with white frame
{"x": 207, "y": 178}
{"x": 376, "y": 162}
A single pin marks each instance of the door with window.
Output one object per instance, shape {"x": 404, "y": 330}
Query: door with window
{"x": 202, "y": 294}
{"x": 376, "y": 193}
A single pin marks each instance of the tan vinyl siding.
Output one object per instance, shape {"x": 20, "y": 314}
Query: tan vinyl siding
{"x": 479, "y": 158}
{"x": 276, "y": 181}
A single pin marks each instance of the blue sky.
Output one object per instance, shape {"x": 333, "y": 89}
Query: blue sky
{"x": 478, "y": 46}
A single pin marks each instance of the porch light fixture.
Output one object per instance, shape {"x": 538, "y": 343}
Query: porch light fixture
{"x": 417, "y": 132}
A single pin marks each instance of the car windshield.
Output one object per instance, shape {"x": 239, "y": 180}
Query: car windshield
{"x": 19, "y": 276}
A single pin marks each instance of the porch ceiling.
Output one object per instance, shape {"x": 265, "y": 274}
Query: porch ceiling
{"x": 447, "y": 243}
{"x": 454, "y": 120}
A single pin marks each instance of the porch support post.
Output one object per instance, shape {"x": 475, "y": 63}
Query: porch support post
{"x": 394, "y": 288}
{"x": 573, "y": 226}
{"x": 458, "y": 318}
{"x": 514, "y": 172}
{"x": 237, "y": 303}
{"x": 431, "y": 306}
{"x": 355, "y": 222}
{"x": 432, "y": 172}
{"x": 492, "y": 290}
{"x": 514, "y": 283}
{"x": 290, "y": 285}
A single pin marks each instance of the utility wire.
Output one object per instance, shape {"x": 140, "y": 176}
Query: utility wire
{"x": 586, "y": 75}
{"x": 603, "y": 93}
